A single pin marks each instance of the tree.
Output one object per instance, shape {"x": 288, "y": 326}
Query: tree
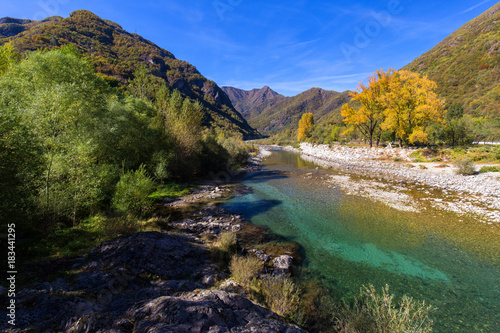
{"x": 457, "y": 129}
{"x": 305, "y": 126}
{"x": 20, "y": 167}
{"x": 8, "y": 57}
{"x": 61, "y": 99}
{"x": 368, "y": 116}
{"x": 144, "y": 85}
{"x": 410, "y": 105}
{"x": 183, "y": 122}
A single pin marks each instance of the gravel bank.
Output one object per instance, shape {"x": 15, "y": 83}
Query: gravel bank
{"x": 478, "y": 194}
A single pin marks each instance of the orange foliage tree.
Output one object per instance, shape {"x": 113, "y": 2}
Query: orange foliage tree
{"x": 305, "y": 126}
{"x": 401, "y": 102}
{"x": 368, "y": 116}
{"x": 410, "y": 105}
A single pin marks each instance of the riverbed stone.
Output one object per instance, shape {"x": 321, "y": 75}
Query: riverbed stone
{"x": 282, "y": 264}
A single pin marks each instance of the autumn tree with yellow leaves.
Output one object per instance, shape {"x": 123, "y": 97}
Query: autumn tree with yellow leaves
{"x": 305, "y": 126}
{"x": 401, "y": 102}
{"x": 410, "y": 105}
{"x": 370, "y": 114}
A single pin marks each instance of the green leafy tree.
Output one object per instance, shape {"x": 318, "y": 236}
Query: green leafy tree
{"x": 20, "y": 168}
{"x": 8, "y": 57}
{"x": 144, "y": 85}
{"x": 132, "y": 193}
{"x": 62, "y": 99}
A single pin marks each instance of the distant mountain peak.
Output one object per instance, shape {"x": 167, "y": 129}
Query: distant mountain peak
{"x": 246, "y": 101}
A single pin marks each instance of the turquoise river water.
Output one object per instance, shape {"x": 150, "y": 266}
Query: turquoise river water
{"x": 451, "y": 262}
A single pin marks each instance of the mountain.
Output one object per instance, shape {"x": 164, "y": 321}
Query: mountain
{"x": 466, "y": 65}
{"x": 117, "y": 54}
{"x": 248, "y": 101}
{"x": 274, "y": 115}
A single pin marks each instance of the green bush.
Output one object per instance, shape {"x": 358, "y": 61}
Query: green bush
{"x": 417, "y": 156}
{"x": 489, "y": 169}
{"x": 372, "y": 312}
{"x": 465, "y": 167}
{"x": 132, "y": 193}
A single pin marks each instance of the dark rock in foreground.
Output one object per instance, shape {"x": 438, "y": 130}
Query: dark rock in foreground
{"x": 147, "y": 282}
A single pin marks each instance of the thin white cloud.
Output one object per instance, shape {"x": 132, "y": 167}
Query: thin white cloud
{"x": 474, "y": 7}
{"x": 303, "y": 43}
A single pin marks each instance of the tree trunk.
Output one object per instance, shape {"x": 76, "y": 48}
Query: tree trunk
{"x": 378, "y": 138}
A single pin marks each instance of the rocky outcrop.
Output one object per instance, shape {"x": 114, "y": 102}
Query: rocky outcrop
{"x": 282, "y": 264}
{"x": 145, "y": 282}
{"x": 206, "y": 311}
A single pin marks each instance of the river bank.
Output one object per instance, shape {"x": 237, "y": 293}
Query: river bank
{"x": 162, "y": 279}
{"x": 393, "y": 182}
{"x": 350, "y": 237}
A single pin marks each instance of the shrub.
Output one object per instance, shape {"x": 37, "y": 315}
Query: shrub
{"x": 372, "y": 312}
{"x": 245, "y": 269}
{"x": 489, "y": 169}
{"x": 227, "y": 242}
{"x": 224, "y": 248}
{"x": 417, "y": 156}
{"x": 132, "y": 193}
{"x": 465, "y": 167}
{"x": 281, "y": 295}
{"x": 316, "y": 307}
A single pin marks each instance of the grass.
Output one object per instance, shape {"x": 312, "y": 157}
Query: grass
{"x": 372, "y": 312}
{"x": 223, "y": 248}
{"x": 244, "y": 269}
{"x": 76, "y": 240}
{"x": 281, "y": 295}
{"x": 172, "y": 191}
{"x": 489, "y": 169}
{"x": 465, "y": 167}
{"x": 483, "y": 154}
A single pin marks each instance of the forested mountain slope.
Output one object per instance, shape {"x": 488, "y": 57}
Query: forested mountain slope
{"x": 285, "y": 114}
{"x": 118, "y": 54}
{"x": 466, "y": 65}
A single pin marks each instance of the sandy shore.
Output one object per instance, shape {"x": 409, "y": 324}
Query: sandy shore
{"x": 389, "y": 182}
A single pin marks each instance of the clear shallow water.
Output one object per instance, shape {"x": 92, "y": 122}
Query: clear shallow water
{"x": 451, "y": 262}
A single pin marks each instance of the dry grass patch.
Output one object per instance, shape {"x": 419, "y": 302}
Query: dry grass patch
{"x": 373, "y": 312}
{"x": 245, "y": 269}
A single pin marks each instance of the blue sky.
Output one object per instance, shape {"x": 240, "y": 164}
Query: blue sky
{"x": 290, "y": 46}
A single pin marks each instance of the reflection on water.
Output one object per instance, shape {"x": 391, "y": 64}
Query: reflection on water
{"x": 350, "y": 241}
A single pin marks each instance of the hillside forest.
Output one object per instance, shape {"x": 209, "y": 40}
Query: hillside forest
{"x": 79, "y": 154}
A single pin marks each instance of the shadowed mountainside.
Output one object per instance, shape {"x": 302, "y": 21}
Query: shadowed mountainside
{"x": 273, "y": 115}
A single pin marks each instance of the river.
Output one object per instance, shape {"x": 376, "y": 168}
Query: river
{"x": 452, "y": 262}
